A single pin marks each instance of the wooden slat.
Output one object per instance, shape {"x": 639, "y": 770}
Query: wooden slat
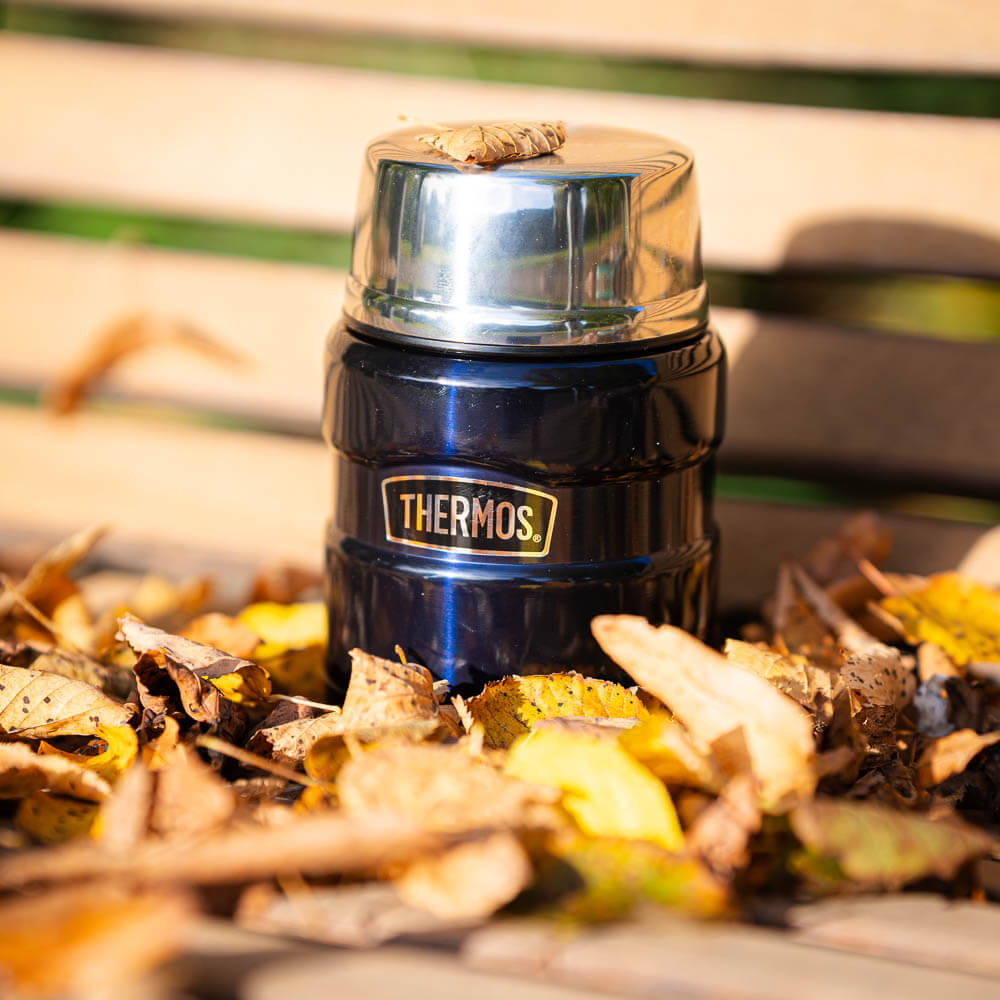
{"x": 906, "y": 34}
{"x": 254, "y": 498}
{"x": 803, "y": 398}
{"x": 282, "y": 143}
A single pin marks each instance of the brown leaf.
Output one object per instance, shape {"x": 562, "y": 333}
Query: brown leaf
{"x": 933, "y": 661}
{"x": 952, "y": 754}
{"x": 499, "y": 142}
{"x": 507, "y": 708}
{"x": 386, "y": 693}
{"x": 469, "y": 881}
{"x": 864, "y": 535}
{"x": 289, "y": 742}
{"x": 714, "y": 698}
{"x": 799, "y": 679}
{"x": 35, "y": 705}
{"x": 440, "y": 788}
{"x": 23, "y": 771}
{"x": 123, "y": 337}
{"x": 721, "y": 832}
{"x": 77, "y": 666}
{"x": 95, "y": 940}
{"x": 190, "y": 798}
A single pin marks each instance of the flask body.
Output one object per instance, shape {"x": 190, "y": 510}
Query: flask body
{"x": 487, "y": 506}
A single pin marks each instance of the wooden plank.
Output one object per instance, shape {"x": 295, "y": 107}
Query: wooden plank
{"x": 803, "y": 398}
{"x": 202, "y": 495}
{"x": 674, "y": 957}
{"x": 256, "y": 140}
{"x": 901, "y": 34}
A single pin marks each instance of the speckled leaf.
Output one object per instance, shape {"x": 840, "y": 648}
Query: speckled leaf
{"x": 52, "y": 819}
{"x": 497, "y": 142}
{"x": 956, "y": 613}
{"x": 877, "y": 846}
{"x": 36, "y": 704}
{"x": 386, "y": 692}
{"x": 606, "y": 790}
{"x": 508, "y": 708}
{"x": 120, "y": 751}
{"x": 22, "y": 772}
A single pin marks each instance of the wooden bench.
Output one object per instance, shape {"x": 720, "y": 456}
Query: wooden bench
{"x": 198, "y": 159}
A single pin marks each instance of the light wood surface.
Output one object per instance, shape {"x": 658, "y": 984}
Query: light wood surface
{"x": 177, "y": 132}
{"x": 904, "y": 34}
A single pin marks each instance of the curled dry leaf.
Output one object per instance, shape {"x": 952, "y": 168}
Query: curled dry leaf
{"x": 442, "y": 788}
{"x": 288, "y": 743}
{"x": 959, "y": 615}
{"x": 499, "y": 142}
{"x": 77, "y": 666}
{"x": 714, "y": 698}
{"x": 469, "y": 881}
{"x": 661, "y": 743}
{"x": 121, "y": 747}
{"x": 508, "y": 708}
{"x": 810, "y": 686}
{"x": 22, "y": 772}
{"x": 35, "y": 705}
{"x": 877, "y": 846}
{"x": 385, "y": 692}
{"x": 952, "y": 754}
{"x": 606, "y": 790}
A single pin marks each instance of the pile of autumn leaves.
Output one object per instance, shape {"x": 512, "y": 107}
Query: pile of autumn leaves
{"x": 830, "y": 750}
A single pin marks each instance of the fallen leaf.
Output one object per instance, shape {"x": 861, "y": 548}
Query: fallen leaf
{"x": 53, "y": 819}
{"x": 714, "y": 698}
{"x": 508, "y": 708}
{"x": 933, "y": 661}
{"x": 952, "y": 754}
{"x": 661, "y": 743}
{"x": 75, "y": 665}
{"x": 498, "y": 142}
{"x": 190, "y": 798}
{"x": 385, "y": 692}
{"x": 224, "y": 633}
{"x": 721, "y": 832}
{"x": 123, "y": 337}
{"x": 293, "y": 648}
{"x": 88, "y": 941}
{"x": 441, "y": 788}
{"x": 469, "y": 881}
{"x": 22, "y": 772}
{"x": 877, "y": 846}
{"x": 289, "y": 742}
{"x": 599, "y": 879}
{"x": 284, "y": 584}
{"x": 35, "y": 704}
{"x": 327, "y": 755}
{"x": 797, "y": 678}
{"x": 863, "y": 535}
{"x": 957, "y": 614}
{"x": 120, "y": 751}
{"x": 606, "y": 790}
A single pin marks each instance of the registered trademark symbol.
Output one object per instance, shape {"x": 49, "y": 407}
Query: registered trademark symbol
{"x": 537, "y": 538}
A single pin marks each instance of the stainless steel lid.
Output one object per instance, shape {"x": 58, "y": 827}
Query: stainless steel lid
{"x": 597, "y": 243}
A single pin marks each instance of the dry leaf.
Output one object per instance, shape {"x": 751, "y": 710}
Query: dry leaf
{"x": 91, "y": 941}
{"x": 952, "y": 754}
{"x": 714, "y": 698}
{"x": 957, "y": 614}
{"x": 933, "y": 661}
{"x": 126, "y": 336}
{"x": 810, "y": 686}
{"x": 469, "y": 881}
{"x": 293, "y": 649}
{"x": 224, "y": 633}
{"x": 721, "y": 832}
{"x": 190, "y": 798}
{"x": 606, "y": 790}
{"x": 864, "y": 535}
{"x": 508, "y": 708}
{"x": 327, "y": 755}
{"x": 386, "y": 693}
{"x": 499, "y": 142}
{"x": 440, "y": 788}
{"x": 661, "y": 744}
{"x": 53, "y": 819}
{"x": 876, "y": 846}
{"x": 77, "y": 666}
{"x": 35, "y": 704}
{"x": 53, "y": 566}
{"x": 120, "y": 751}
{"x": 289, "y": 742}
{"x": 23, "y": 772}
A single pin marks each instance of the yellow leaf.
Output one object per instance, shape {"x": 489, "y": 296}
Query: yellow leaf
{"x": 607, "y": 791}
{"x": 497, "y": 142}
{"x": 293, "y": 646}
{"x": 51, "y": 819}
{"x": 222, "y": 632}
{"x": 121, "y": 749}
{"x": 718, "y": 702}
{"x": 956, "y": 613}
{"x": 36, "y": 704}
{"x": 508, "y": 708}
{"x": 952, "y": 754}
{"x": 23, "y": 772}
{"x": 245, "y": 687}
{"x": 661, "y": 744}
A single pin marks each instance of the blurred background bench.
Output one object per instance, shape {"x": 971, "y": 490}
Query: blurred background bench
{"x": 198, "y": 160}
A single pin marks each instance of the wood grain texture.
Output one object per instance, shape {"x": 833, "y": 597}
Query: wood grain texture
{"x": 282, "y": 143}
{"x": 904, "y": 34}
{"x": 803, "y": 397}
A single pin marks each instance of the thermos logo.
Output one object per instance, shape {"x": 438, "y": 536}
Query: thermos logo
{"x": 457, "y": 514}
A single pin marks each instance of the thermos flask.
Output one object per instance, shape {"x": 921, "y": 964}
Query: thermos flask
{"x": 524, "y": 399}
